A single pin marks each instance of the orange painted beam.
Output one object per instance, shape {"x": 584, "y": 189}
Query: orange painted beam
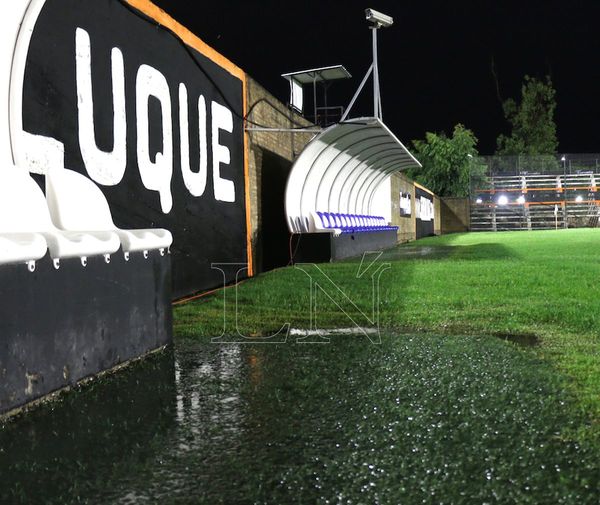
{"x": 157, "y": 14}
{"x": 555, "y": 202}
{"x": 417, "y": 185}
{"x": 525, "y": 190}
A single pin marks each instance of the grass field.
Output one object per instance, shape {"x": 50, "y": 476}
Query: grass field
{"x": 540, "y": 286}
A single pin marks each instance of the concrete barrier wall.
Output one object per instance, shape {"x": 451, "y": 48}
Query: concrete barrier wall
{"x": 455, "y": 215}
{"x": 59, "y": 326}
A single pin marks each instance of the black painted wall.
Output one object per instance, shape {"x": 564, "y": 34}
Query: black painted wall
{"x": 205, "y": 230}
{"x": 60, "y": 326}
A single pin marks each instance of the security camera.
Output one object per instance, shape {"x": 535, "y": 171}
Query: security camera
{"x": 379, "y": 19}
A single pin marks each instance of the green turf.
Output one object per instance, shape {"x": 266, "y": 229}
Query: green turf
{"x": 521, "y": 283}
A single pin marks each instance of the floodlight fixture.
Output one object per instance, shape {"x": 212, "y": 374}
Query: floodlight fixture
{"x": 564, "y": 158}
{"x": 579, "y": 198}
{"x": 503, "y": 200}
{"x": 378, "y": 18}
{"x": 521, "y": 200}
{"x": 479, "y": 200}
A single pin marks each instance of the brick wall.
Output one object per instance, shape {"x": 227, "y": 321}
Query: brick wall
{"x": 265, "y": 110}
{"x": 406, "y": 225}
{"x": 455, "y": 215}
{"x": 437, "y": 215}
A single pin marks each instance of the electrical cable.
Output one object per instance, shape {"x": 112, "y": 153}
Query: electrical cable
{"x": 197, "y": 296}
{"x": 293, "y": 254}
{"x": 291, "y": 262}
{"x": 273, "y": 106}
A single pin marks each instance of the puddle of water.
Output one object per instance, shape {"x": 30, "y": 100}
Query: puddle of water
{"x": 417, "y": 252}
{"x": 413, "y": 418}
{"x": 299, "y": 332}
{"x": 521, "y": 339}
{"x": 476, "y": 252}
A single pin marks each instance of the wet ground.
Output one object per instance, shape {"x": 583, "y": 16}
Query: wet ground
{"x": 457, "y": 252}
{"x": 422, "y": 419}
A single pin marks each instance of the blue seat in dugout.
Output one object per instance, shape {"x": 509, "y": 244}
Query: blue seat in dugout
{"x": 339, "y": 223}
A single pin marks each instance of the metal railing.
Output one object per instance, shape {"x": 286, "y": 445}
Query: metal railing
{"x": 327, "y": 116}
{"x": 535, "y": 192}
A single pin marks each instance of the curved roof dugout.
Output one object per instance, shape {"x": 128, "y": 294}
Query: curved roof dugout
{"x": 341, "y": 169}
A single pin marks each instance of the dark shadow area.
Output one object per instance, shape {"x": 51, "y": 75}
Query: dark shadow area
{"x": 273, "y": 234}
{"x": 521, "y": 339}
{"x": 407, "y": 252}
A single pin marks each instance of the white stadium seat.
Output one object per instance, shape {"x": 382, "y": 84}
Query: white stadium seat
{"x": 23, "y": 211}
{"x": 21, "y": 247}
{"x": 77, "y": 204}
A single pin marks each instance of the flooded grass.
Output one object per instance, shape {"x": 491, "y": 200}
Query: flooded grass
{"x": 541, "y": 283}
{"x": 417, "y": 419}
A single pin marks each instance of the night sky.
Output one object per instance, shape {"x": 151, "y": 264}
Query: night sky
{"x": 435, "y": 62}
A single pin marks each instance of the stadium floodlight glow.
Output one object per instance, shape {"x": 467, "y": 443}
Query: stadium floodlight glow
{"x": 564, "y": 158}
{"x": 503, "y": 200}
{"x": 378, "y": 18}
{"x": 579, "y": 198}
{"x": 479, "y": 200}
{"x": 521, "y": 200}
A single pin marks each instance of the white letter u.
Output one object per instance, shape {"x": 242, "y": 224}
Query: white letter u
{"x": 106, "y": 168}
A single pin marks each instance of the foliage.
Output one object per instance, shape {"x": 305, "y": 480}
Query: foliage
{"x": 447, "y": 161}
{"x": 532, "y": 121}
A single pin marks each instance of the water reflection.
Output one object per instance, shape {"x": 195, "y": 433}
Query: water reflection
{"x": 416, "y": 419}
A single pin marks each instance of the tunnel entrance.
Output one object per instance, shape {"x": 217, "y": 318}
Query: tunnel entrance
{"x": 273, "y": 235}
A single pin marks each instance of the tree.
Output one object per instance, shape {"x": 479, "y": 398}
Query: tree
{"x": 532, "y": 121}
{"x": 447, "y": 161}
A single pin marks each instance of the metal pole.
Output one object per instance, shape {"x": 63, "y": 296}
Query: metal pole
{"x": 315, "y": 96}
{"x": 356, "y": 95}
{"x": 326, "y": 106}
{"x": 283, "y": 130}
{"x": 565, "y": 193}
{"x": 375, "y": 75}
